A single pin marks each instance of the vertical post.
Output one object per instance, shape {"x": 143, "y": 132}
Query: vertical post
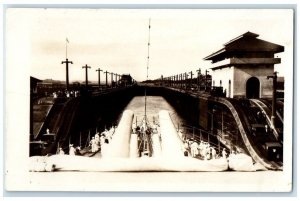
{"x": 173, "y": 80}
{"x": 86, "y": 74}
{"x": 212, "y": 122}
{"x": 67, "y": 62}
{"x": 181, "y": 80}
{"x": 80, "y": 140}
{"x": 206, "y": 71}
{"x": 198, "y": 78}
{"x": 185, "y": 80}
{"x": 111, "y": 79}
{"x": 119, "y": 76}
{"x": 274, "y": 77}
{"x": 191, "y": 79}
{"x": 106, "y": 78}
{"x": 99, "y": 77}
{"x": 57, "y": 150}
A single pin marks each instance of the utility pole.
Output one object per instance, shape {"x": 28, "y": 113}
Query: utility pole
{"x": 86, "y": 74}
{"x": 116, "y": 79}
{"x": 191, "y": 78}
{"x": 67, "y": 65}
{"x": 111, "y": 79}
{"x": 119, "y": 78}
{"x": 198, "y": 78}
{"x": 67, "y": 62}
{"x": 99, "y": 78}
{"x": 106, "y": 78}
{"x": 180, "y": 77}
{"x": 274, "y": 77}
{"x": 206, "y": 73}
{"x": 173, "y": 81}
{"x": 185, "y": 79}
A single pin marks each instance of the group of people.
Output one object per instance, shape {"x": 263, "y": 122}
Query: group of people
{"x": 72, "y": 150}
{"x": 67, "y": 94}
{"x": 203, "y": 150}
{"x": 145, "y": 127}
{"x": 97, "y": 143}
{"x": 99, "y": 140}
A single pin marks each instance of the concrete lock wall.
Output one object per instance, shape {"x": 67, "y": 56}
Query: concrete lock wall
{"x": 119, "y": 146}
{"x": 171, "y": 145}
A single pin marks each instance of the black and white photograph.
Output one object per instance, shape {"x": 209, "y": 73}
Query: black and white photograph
{"x": 149, "y": 100}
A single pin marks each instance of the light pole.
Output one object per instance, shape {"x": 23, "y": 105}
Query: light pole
{"x": 105, "y": 78}
{"x": 198, "y": 78}
{"x": 99, "y": 78}
{"x": 67, "y": 62}
{"x": 206, "y": 73}
{"x": 86, "y": 74}
{"x": 116, "y": 77}
{"x": 111, "y": 79}
{"x": 191, "y": 84}
{"x": 274, "y": 77}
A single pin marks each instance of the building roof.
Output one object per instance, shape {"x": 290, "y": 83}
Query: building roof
{"x": 33, "y": 79}
{"x": 247, "y": 42}
{"x": 247, "y": 34}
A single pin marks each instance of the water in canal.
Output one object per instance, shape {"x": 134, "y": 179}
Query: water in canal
{"x": 153, "y": 106}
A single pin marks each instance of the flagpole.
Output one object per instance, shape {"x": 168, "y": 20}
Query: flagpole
{"x": 66, "y": 48}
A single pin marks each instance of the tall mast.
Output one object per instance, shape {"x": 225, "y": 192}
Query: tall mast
{"x": 67, "y": 62}
{"x": 148, "y": 57}
{"x": 67, "y": 41}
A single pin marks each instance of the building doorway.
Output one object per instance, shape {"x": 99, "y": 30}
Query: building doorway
{"x": 252, "y": 88}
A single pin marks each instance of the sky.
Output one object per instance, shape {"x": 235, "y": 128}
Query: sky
{"x": 116, "y": 40}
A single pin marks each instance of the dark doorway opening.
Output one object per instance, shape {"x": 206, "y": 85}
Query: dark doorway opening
{"x": 252, "y": 88}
